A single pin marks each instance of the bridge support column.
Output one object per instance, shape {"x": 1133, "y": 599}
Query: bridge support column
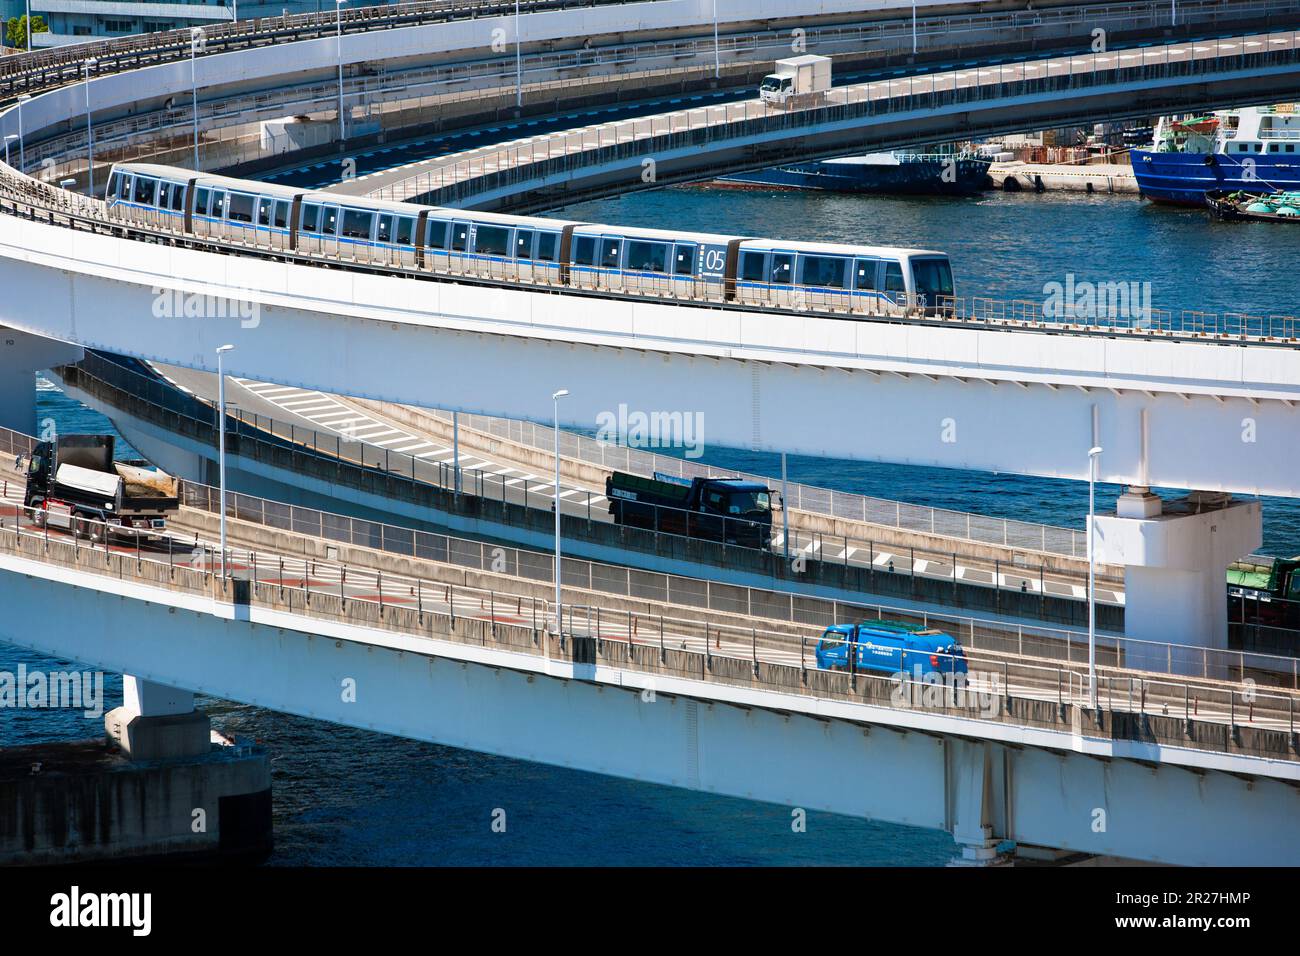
{"x": 1175, "y": 556}
{"x": 977, "y": 773}
{"x": 21, "y": 357}
{"x": 156, "y": 722}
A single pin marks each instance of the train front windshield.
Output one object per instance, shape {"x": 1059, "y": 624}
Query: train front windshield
{"x": 932, "y": 279}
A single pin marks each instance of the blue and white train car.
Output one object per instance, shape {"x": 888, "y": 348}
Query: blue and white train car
{"x": 848, "y": 279}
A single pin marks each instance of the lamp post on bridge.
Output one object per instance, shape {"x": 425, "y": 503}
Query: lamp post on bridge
{"x": 717, "y": 64}
{"x": 221, "y": 447}
{"x": 338, "y": 50}
{"x": 559, "y": 613}
{"x": 1092, "y": 582}
{"x": 90, "y": 132}
{"x": 519, "y": 65}
{"x": 196, "y": 39}
{"x": 22, "y": 152}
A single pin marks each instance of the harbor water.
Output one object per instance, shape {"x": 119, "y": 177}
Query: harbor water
{"x": 345, "y": 796}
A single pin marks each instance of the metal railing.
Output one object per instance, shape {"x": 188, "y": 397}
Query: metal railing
{"x": 1025, "y": 573}
{"x": 1214, "y": 715}
{"x": 658, "y": 588}
{"x": 855, "y": 40}
{"x": 459, "y": 179}
{"x": 849, "y": 506}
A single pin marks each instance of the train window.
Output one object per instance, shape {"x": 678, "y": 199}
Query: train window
{"x": 823, "y": 270}
{"x": 864, "y": 274}
{"x": 282, "y": 214}
{"x": 684, "y": 260}
{"x": 546, "y": 246}
{"x": 460, "y": 236}
{"x": 492, "y": 240}
{"x": 123, "y": 186}
{"x": 384, "y": 233}
{"x": 609, "y": 250}
{"x": 647, "y": 256}
{"x": 164, "y": 195}
{"x": 357, "y": 224}
{"x": 932, "y": 278}
{"x": 437, "y": 235}
{"x": 201, "y": 202}
{"x": 264, "y": 212}
{"x": 523, "y": 243}
{"x": 241, "y": 208}
{"x": 115, "y": 184}
{"x": 145, "y": 190}
{"x": 329, "y": 220}
{"x": 782, "y": 268}
{"x": 584, "y": 250}
{"x": 753, "y": 266}
{"x": 405, "y": 230}
{"x": 894, "y": 277}
{"x": 310, "y": 217}
{"x": 178, "y": 197}
{"x": 218, "y": 210}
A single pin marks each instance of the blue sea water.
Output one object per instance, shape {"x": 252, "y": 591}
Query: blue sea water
{"x": 345, "y": 796}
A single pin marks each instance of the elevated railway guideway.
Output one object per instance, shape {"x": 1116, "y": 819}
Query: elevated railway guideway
{"x": 545, "y": 171}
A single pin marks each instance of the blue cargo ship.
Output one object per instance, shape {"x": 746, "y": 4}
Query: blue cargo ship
{"x": 1255, "y": 149}
{"x": 909, "y": 174}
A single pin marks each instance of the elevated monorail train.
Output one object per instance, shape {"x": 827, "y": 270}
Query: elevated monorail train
{"x": 866, "y": 280}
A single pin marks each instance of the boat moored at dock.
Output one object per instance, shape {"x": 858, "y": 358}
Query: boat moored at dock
{"x": 1255, "y": 149}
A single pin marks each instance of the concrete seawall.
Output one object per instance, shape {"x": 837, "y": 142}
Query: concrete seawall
{"x": 85, "y": 802}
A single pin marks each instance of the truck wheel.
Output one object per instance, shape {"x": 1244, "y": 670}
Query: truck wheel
{"x": 38, "y": 517}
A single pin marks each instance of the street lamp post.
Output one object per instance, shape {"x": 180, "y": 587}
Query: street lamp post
{"x": 22, "y": 152}
{"x": 221, "y": 447}
{"x": 1092, "y": 584}
{"x": 338, "y": 49}
{"x": 196, "y": 37}
{"x": 559, "y": 613}
{"x": 519, "y": 65}
{"x": 785, "y": 513}
{"x": 90, "y": 133}
{"x": 29, "y": 26}
{"x": 717, "y": 66}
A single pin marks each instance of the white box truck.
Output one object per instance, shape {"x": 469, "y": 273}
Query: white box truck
{"x": 798, "y": 81}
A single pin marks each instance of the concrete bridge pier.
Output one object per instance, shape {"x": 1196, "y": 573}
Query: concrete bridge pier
{"x": 156, "y": 722}
{"x": 1175, "y": 556}
{"x": 978, "y": 785}
{"x": 21, "y": 356}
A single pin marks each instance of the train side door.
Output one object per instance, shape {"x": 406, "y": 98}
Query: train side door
{"x": 329, "y": 230}
{"x": 459, "y": 246}
{"x": 609, "y": 262}
{"x": 383, "y": 248}
{"x": 523, "y": 254}
{"x": 685, "y": 282}
{"x": 866, "y": 281}
{"x": 781, "y": 277}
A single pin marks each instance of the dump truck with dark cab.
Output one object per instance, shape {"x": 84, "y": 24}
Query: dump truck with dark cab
{"x": 728, "y": 510}
{"x": 73, "y": 483}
